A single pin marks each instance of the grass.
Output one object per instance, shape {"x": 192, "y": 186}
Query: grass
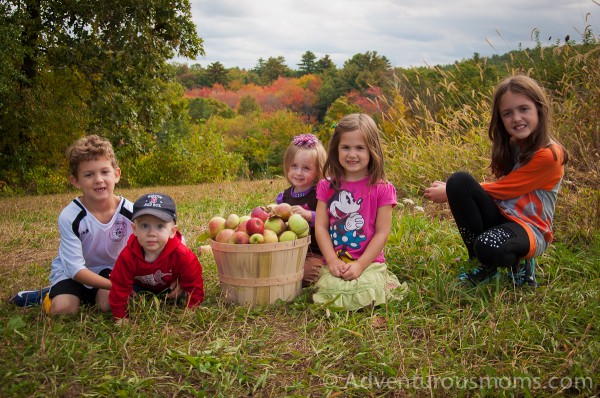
{"x": 441, "y": 340}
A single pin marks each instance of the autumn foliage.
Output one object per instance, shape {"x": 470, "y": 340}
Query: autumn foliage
{"x": 298, "y": 95}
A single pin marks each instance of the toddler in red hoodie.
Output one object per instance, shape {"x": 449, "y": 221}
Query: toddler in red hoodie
{"x": 155, "y": 257}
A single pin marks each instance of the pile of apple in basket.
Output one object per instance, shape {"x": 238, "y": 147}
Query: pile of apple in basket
{"x": 265, "y": 224}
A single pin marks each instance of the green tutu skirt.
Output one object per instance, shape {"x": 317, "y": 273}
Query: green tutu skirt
{"x": 375, "y": 286}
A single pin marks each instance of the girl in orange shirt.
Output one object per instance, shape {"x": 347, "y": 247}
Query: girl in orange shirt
{"x": 510, "y": 219}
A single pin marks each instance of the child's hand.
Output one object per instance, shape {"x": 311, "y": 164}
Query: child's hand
{"x": 306, "y": 214}
{"x": 436, "y": 192}
{"x": 352, "y": 271}
{"x": 337, "y": 267}
{"x": 176, "y": 291}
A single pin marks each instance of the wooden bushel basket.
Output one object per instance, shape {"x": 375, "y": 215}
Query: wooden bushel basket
{"x": 258, "y": 274}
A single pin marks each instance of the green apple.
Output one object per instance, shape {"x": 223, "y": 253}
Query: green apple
{"x": 270, "y": 236}
{"x": 287, "y": 236}
{"x": 298, "y": 225}
{"x": 275, "y": 224}
{"x": 257, "y": 239}
{"x": 232, "y": 221}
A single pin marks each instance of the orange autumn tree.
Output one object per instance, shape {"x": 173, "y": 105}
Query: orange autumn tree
{"x": 298, "y": 95}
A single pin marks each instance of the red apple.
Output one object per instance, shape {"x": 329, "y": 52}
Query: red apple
{"x": 260, "y": 212}
{"x": 243, "y": 226}
{"x": 224, "y": 235}
{"x": 240, "y": 238}
{"x": 216, "y": 225}
{"x": 257, "y": 239}
{"x": 283, "y": 210}
{"x": 255, "y": 226}
{"x": 275, "y": 224}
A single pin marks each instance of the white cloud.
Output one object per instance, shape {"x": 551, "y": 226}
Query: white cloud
{"x": 407, "y": 32}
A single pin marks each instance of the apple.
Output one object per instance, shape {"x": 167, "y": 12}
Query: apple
{"x": 255, "y": 226}
{"x": 299, "y": 225}
{"x": 283, "y": 210}
{"x": 257, "y": 239}
{"x": 224, "y": 235}
{"x": 232, "y": 221}
{"x": 260, "y": 212}
{"x": 205, "y": 249}
{"x": 271, "y": 207}
{"x": 270, "y": 236}
{"x": 240, "y": 238}
{"x": 216, "y": 225}
{"x": 243, "y": 218}
{"x": 242, "y": 226}
{"x": 304, "y": 234}
{"x": 287, "y": 236}
{"x": 275, "y": 224}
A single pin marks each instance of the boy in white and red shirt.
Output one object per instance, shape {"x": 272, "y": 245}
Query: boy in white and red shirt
{"x": 155, "y": 257}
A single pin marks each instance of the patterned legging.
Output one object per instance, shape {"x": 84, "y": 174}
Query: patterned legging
{"x": 489, "y": 236}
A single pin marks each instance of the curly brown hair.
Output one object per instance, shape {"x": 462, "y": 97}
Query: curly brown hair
{"x": 89, "y": 148}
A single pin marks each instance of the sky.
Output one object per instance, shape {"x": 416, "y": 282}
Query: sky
{"x": 237, "y": 33}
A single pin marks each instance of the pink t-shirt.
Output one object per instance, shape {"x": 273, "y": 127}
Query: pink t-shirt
{"x": 352, "y": 214}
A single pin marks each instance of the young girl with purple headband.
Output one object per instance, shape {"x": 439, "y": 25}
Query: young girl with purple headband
{"x": 303, "y": 164}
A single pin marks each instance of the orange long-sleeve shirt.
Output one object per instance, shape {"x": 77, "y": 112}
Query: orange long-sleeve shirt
{"x": 527, "y": 195}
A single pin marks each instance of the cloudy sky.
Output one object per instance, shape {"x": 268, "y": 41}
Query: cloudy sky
{"x": 407, "y": 32}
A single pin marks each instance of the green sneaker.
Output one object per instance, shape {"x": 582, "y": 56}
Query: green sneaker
{"x": 479, "y": 274}
{"x": 523, "y": 274}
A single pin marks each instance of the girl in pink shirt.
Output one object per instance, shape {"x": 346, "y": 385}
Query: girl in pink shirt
{"x": 354, "y": 218}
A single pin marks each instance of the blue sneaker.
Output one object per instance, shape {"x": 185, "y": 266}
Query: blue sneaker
{"x": 523, "y": 274}
{"x": 28, "y": 298}
{"x": 479, "y": 274}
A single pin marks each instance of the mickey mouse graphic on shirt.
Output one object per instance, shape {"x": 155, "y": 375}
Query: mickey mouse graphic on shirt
{"x": 346, "y": 231}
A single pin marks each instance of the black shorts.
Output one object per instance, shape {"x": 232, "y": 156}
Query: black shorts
{"x": 85, "y": 294}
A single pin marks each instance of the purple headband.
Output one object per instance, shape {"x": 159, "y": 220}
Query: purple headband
{"x": 305, "y": 140}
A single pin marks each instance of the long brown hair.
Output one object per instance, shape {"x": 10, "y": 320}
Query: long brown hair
{"x": 503, "y": 157}
{"x": 368, "y": 128}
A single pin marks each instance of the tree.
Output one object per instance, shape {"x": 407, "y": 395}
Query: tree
{"x": 113, "y": 57}
{"x": 368, "y": 69}
{"x": 324, "y": 64}
{"x": 270, "y": 70}
{"x": 307, "y": 64}
{"x": 216, "y": 74}
{"x": 248, "y": 105}
{"x": 200, "y": 109}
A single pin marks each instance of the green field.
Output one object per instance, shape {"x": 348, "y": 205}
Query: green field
{"x": 440, "y": 340}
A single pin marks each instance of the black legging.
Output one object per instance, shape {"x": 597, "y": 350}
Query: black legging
{"x": 489, "y": 236}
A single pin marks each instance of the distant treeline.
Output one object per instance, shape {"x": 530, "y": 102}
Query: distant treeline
{"x": 68, "y": 70}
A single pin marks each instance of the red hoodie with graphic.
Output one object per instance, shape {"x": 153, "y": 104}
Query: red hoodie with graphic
{"x": 175, "y": 262}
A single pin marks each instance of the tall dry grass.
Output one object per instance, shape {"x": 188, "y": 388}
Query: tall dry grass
{"x": 430, "y": 137}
